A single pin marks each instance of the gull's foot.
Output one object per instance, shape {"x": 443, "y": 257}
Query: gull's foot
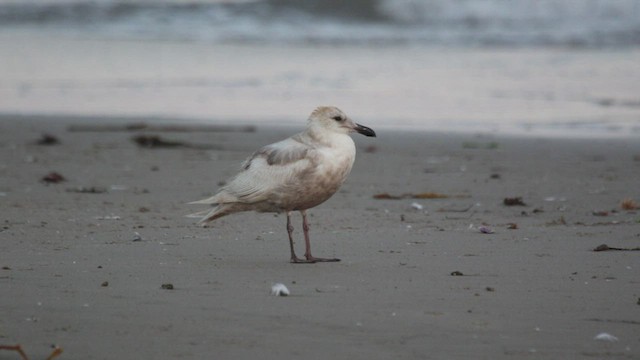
{"x": 315, "y": 259}
{"x": 297, "y": 260}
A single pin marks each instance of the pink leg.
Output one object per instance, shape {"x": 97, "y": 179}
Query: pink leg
{"x": 307, "y": 242}
{"x": 294, "y": 258}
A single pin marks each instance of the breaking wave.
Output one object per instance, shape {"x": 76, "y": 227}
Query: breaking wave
{"x": 580, "y": 23}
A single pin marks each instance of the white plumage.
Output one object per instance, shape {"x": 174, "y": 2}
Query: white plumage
{"x": 294, "y": 174}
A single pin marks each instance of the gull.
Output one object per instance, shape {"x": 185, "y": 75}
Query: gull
{"x": 295, "y": 174}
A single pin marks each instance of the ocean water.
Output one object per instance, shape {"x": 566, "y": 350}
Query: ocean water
{"x": 542, "y": 67}
{"x": 572, "y": 23}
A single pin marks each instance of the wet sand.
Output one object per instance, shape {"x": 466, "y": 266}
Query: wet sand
{"x": 507, "y": 90}
{"x": 84, "y": 260}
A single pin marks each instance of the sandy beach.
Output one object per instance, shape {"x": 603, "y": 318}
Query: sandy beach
{"x": 458, "y": 276}
{"x": 507, "y": 154}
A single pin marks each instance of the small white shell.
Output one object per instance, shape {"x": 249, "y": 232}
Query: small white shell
{"x": 279, "y": 290}
{"x": 416, "y": 206}
{"x": 605, "y": 337}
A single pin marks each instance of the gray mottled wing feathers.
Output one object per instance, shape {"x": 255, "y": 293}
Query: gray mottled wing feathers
{"x": 269, "y": 168}
{"x": 280, "y": 153}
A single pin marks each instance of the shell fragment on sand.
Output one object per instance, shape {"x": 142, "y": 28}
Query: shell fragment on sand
{"x": 279, "y": 289}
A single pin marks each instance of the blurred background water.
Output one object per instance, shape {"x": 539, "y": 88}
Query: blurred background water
{"x": 429, "y": 63}
{"x": 574, "y": 23}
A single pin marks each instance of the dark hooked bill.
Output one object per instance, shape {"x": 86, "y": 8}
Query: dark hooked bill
{"x": 366, "y": 131}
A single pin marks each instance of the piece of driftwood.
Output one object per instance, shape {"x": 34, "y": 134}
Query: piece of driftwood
{"x": 159, "y": 127}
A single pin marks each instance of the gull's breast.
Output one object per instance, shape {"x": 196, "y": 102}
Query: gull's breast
{"x": 332, "y": 166}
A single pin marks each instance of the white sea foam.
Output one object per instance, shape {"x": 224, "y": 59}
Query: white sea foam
{"x": 587, "y": 23}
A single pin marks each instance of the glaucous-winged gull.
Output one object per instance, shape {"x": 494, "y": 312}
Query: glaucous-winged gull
{"x": 295, "y": 174}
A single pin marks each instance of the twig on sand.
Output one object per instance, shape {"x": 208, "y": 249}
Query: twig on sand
{"x": 159, "y": 128}
{"x": 17, "y": 348}
{"x": 424, "y": 195}
{"x": 154, "y": 141}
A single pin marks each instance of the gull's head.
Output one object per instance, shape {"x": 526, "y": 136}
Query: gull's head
{"x": 330, "y": 118}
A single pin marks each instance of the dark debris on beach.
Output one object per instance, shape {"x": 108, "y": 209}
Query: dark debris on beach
{"x": 605, "y": 247}
{"x": 157, "y": 142}
{"x": 53, "y": 178}
{"x": 48, "y": 139}
{"x": 513, "y": 201}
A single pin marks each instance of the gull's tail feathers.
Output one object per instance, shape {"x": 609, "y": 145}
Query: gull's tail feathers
{"x": 199, "y": 214}
{"x": 207, "y": 216}
{"x": 220, "y": 198}
{"x": 224, "y": 203}
{"x": 208, "y": 201}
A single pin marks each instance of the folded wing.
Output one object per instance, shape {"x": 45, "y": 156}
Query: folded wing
{"x": 266, "y": 171}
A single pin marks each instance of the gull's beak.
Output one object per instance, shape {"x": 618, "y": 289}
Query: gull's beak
{"x": 366, "y": 131}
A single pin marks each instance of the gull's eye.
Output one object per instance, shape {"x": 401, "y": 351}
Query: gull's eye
{"x": 337, "y": 118}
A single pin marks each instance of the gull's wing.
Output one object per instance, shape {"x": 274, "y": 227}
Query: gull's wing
{"x": 271, "y": 168}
